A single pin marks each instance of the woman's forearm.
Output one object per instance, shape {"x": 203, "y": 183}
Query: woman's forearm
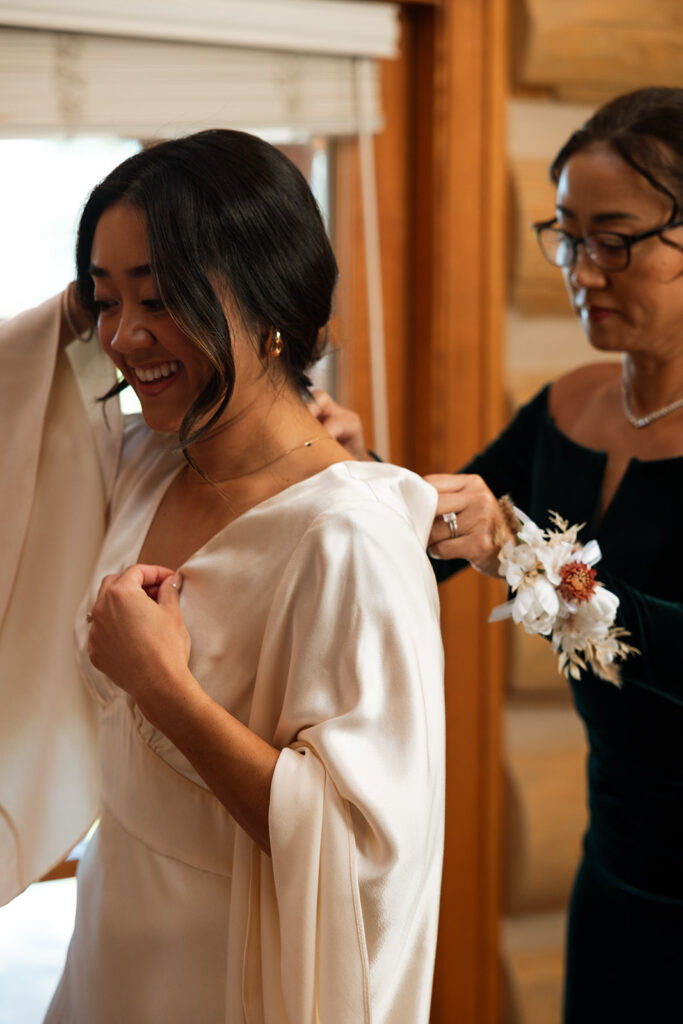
{"x": 141, "y": 604}
{"x": 236, "y": 764}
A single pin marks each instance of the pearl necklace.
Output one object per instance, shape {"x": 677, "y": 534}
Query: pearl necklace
{"x": 650, "y": 417}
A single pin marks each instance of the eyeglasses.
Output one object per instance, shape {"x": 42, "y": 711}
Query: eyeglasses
{"x": 608, "y": 250}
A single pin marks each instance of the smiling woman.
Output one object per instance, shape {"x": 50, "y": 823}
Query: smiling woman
{"x": 153, "y": 354}
{"x": 271, "y": 777}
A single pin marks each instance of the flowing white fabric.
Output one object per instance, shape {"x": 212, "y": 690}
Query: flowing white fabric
{"x": 314, "y": 619}
{"x": 57, "y": 462}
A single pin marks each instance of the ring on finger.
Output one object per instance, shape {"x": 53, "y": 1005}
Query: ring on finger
{"x": 452, "y": 520}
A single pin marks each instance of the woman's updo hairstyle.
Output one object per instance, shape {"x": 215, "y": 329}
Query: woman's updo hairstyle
{"x": 645, "y": 128}
{"x": 225, "y": 207}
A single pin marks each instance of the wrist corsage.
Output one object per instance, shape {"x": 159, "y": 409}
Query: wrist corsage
{"x": 557, "y": 594}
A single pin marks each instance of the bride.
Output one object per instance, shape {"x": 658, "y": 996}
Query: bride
{"x": 253, "y": 700}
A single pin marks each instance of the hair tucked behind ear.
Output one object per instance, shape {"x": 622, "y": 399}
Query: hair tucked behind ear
{"x": 224, "y": 208}
{"x": 645, "y": 128}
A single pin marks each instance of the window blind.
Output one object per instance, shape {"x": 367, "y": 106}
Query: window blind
{"x": 150, "y": 69}
{"x": 55, "y": 83}
{"x": 351, "y": 27}
{"x": 157, "y": 68}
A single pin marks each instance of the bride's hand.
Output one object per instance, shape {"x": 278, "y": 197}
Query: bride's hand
{"x": 138, "y": 637}
{"x": 75, "y": 319}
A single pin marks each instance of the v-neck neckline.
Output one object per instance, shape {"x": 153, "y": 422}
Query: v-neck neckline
{"x": 261, "y": 506}
{"x": 598, "y": 516}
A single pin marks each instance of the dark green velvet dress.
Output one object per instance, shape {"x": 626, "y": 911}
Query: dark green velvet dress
{"x": 625, "y": 938}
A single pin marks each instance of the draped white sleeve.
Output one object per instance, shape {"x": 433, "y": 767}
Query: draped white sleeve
{"x": 342, "y": 920}
{"x": 58, "y": 462}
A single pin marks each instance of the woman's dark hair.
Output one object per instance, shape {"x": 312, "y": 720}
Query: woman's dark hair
{"x": 645, "y": 128}
{"x": 224, "y": 207}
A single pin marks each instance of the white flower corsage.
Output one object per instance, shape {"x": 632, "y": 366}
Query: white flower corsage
{"x": 557, "y": 594}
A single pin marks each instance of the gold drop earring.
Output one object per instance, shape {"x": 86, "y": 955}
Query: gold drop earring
{"x": 274, "y": 345}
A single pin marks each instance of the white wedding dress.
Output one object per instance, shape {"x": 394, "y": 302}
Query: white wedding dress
{"x": 314, "y": 620}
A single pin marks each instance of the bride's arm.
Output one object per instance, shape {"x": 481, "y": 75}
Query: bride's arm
{"x": 141, "y": 604}
{"x": 75, "y": 321}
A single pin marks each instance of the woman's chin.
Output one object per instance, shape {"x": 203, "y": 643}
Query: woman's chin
{"x": 602, "y": 340}
{"x": 162, "y": 422}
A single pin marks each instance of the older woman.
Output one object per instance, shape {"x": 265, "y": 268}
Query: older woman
{"x": 604, "y": 446}
{"x": 266, "y": 679}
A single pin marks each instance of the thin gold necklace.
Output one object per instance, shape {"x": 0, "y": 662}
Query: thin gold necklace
{"x": 650, "y": 417}
{"x": 249, "y": 472}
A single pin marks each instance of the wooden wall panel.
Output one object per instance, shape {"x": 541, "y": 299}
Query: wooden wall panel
{"x": 594, "y": 49}
{"x": 532, "y": 669}
{"x": 533, "y": 968}
{"x": 545, "y": 805}
{"x": 535, "y": 286}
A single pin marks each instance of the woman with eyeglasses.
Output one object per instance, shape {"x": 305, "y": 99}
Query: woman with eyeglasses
{"x": 603, "y": 446}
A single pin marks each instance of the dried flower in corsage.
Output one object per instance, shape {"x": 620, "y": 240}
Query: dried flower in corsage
{"x": 557, "y": 594}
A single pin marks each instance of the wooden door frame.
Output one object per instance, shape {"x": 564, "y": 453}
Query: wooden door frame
{"x": 441, "y": 190}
